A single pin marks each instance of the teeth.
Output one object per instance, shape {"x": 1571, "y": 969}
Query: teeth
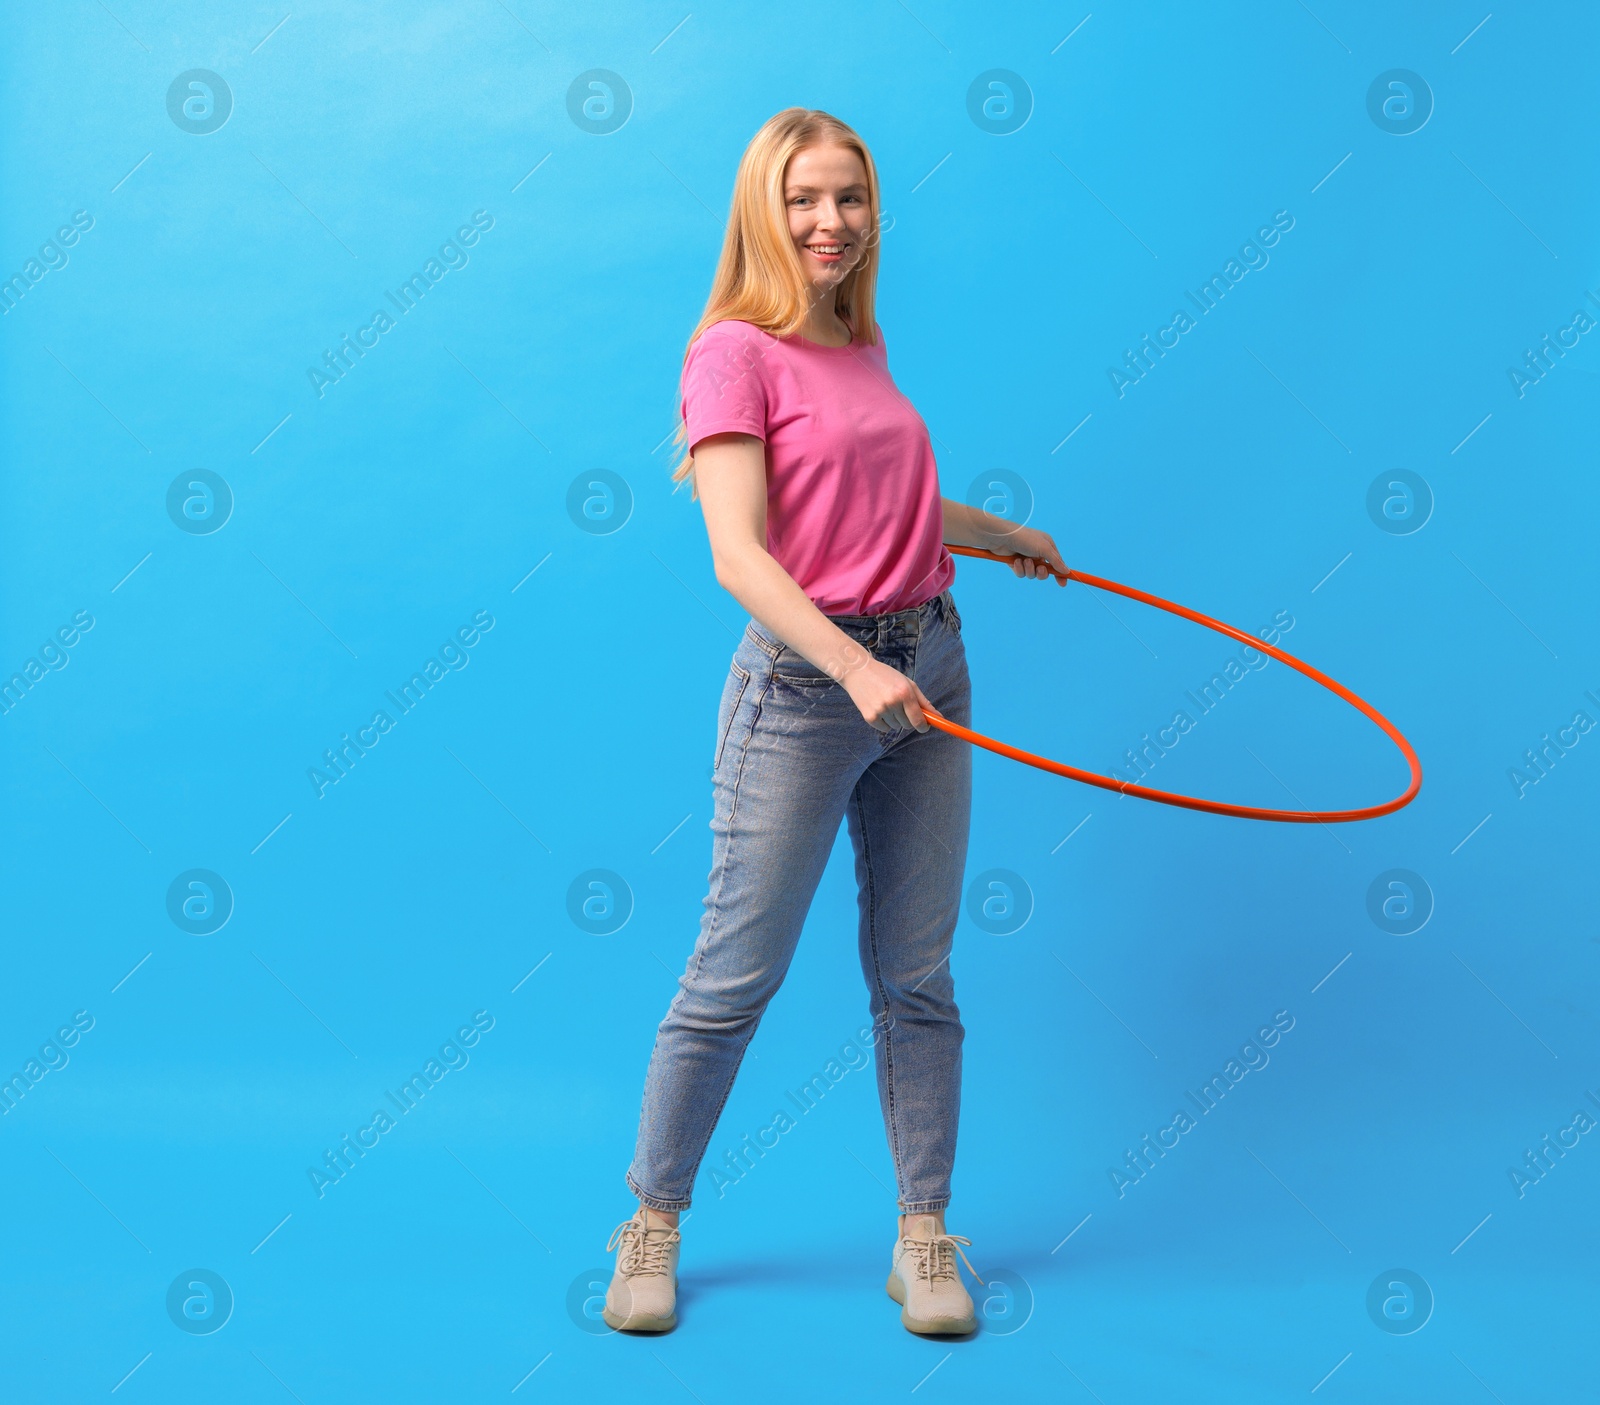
{"x": 826, "y": 248}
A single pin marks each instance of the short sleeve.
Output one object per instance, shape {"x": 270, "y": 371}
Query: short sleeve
{"x": 724, "y": 382}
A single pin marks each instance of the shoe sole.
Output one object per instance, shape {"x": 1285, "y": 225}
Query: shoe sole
{"x": 638, "y": 1322}
{"x": 938, "y": 1327}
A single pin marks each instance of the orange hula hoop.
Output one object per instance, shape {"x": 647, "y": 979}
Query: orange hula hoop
{"x": 1194, "y": 802}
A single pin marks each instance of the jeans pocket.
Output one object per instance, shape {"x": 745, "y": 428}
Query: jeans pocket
{"x": 732, "y": 696}
{"x": 792, "y": 667}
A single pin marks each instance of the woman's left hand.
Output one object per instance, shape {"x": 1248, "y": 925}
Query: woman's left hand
{"x": 1034, "y": 554}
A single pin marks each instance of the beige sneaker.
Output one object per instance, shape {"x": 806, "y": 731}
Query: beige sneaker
{"x": 925, "y": 1281}
{"x": 643, "y": 1295}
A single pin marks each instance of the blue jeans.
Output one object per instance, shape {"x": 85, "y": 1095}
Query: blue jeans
{"x": 793, "y": 755}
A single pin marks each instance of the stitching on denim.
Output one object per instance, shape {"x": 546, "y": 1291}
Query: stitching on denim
{"x": 877, "y": 975}
{"x": 744, "y": 749}
{"x": 711, "y": 1125}
{"x": 733, "y": 712}
{"x": 647, "y": 1199}
{"x": 760, "y": 641}
{"x": 720, "y": 877}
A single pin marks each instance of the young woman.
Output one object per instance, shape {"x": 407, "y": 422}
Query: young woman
{"x": 821, "y": 500}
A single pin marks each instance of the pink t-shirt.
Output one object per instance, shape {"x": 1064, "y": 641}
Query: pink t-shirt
{"x": 853, "y": 508}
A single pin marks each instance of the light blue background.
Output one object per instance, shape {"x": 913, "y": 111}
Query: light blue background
{"x": 370, "y": 523}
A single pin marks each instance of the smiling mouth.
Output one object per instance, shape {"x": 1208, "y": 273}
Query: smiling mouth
{"x": 828, "y": 253}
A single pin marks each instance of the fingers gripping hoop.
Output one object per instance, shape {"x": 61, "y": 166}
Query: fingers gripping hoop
{"x": 1194, "y": 802}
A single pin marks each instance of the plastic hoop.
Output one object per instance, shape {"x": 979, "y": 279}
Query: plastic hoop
{"x": 1194, "y": 802}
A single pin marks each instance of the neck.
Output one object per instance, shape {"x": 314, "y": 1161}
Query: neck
{"x": 823, "y": 323}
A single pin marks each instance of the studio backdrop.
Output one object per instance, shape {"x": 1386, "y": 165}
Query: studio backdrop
{"x": 361, "y": 671}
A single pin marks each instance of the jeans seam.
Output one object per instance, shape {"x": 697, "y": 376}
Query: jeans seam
{"x": 761, "y": 642}
{"x": 733, "y": 810}
{"x": 743, "y": 676}
{"x": 721, "y": 877}
{"x": 744, "y": 751}
{"x": 720, "y": 873}
{"x": 877, "y": 975}
{"x": 647, "y": 1199}
{"x": 952, "y": 616}
{"x": 711, "y": 1125}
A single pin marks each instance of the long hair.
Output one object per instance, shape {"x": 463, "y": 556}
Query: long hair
{"x": 759, "y": 278}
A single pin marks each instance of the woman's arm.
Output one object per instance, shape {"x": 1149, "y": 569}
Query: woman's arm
{"x": 1033, "y": 553}
{"x": 730, "y": 474}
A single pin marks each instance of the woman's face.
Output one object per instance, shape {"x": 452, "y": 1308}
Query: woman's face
{"x": 825, "y": 190}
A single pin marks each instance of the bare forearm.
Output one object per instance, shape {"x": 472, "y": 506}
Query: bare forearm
{"x": 770, "y": 594}
{"x": 971, "y": 526}
{"x": 1034, "y": 554}
{"x": 731, "y": 470}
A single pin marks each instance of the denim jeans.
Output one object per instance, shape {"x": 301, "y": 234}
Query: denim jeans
{"x": 793, "y": 754}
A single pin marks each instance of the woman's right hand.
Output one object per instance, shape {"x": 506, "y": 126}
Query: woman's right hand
{"x": 730, "y": 470}
{"x": 887, "y": 698}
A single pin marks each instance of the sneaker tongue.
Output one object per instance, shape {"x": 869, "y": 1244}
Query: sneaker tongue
{"x": 921, "y": 1227}
{"x": 654, "y": 1221}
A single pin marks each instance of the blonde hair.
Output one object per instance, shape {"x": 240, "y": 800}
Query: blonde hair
{"x": 759, "y": 278}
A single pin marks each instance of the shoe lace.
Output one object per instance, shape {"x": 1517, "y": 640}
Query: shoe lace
{"x": 936, "y": 1257}
{"x": 643, "y": 1251}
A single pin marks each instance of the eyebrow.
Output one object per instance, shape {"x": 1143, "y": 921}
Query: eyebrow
{"x": 813, "y": 189}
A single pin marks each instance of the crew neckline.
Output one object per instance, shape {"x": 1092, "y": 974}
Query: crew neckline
{"x": 835, "y": 350}
{"x": 823, "y": 346}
